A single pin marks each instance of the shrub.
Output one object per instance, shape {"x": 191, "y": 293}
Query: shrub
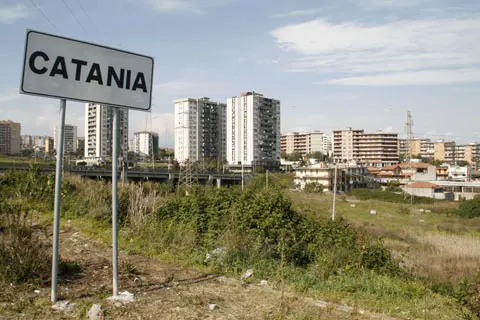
{"x": 468, "y": 294}
{"x": 470, "y": 208}
{"x": 393, "y": 186}
{"x": 22, "y": 255}
{"x": 313, "y": 187}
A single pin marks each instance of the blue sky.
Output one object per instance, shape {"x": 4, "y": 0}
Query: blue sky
{"x": 333, "y": 64}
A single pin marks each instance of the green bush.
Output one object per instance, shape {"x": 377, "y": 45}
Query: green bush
{"x": 393, "y": 187}
{"x": 22, "y": 256}
{"x": 313, "y": 188}
{"x": 468, "y": 294}
{"x": 470, "y": 208}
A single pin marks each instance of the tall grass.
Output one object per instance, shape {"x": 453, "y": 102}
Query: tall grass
{"x": 258, "y": 229}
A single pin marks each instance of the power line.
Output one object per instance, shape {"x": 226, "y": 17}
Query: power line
{"x": 75, "y": 17}
{"x": 88, "y": 16}
{"x": 44, "y": 15}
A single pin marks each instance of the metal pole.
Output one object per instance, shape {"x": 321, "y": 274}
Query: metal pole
{"x": 58, "y": 188}
{"x": 334, "y": 193}
{"x": 114, "y": 201}
{"x": 267, "y": 179}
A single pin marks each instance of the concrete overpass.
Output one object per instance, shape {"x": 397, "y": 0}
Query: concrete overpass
{"x": 160, "y": 174}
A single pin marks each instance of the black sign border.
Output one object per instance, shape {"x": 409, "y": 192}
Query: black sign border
{"x": 22, "y": 91}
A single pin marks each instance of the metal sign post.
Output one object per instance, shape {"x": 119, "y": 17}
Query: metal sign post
{"x": 64, "y": 68}
{"x": 115, "y": 126}
{"x": 58, "y": 189}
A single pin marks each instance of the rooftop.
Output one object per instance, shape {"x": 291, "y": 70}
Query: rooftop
{"x": 423, "y": 185}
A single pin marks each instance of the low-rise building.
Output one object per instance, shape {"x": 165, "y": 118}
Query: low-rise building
{"x": 425, "y": 189}
{"x": 404, "y": 172}
{"x": 348, "y": 177}
{"x": 450, "y": 190}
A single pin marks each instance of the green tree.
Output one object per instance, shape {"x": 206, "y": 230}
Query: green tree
{"x": 434, "y": 162}
{"x": 463, "y": 163}
{"x": 294, "y": 156}
{"x": 316, "y": 155}
{"x": 26, "y": 152}
{"x": 313, "y": 187}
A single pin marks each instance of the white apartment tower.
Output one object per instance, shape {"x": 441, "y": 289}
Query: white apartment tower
{"x": 145, "y": 143}
{"x": 200, "y": 126}
{"x": 99, "y": 133}
{"x": 253, "y": 130}
{"x": 69, "y": 138}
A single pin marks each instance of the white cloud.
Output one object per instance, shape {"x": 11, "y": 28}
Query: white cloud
{"x": 297, "y": 13}
{"x": 10, "y": 96}
{"x": 423, "y": 77}
{"x": 192, "y": 6}
{"x": 388, "y": 129}
{"x": 380, "y": 4}
{"x": 397, "y": 49}
{"x": 38, "y": 115}
{"x": 12, "y": 13}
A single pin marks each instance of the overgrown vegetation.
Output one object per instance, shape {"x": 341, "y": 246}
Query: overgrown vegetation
{"x": 230, "y": 231}
{"x": 470, "y": 208}
{"x": 313, "y": 187}
{"x": 23, "y": 254}
{"x": 387, "y": 196}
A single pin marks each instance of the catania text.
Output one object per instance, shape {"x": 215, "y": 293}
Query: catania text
{"x": 122, "y": 79}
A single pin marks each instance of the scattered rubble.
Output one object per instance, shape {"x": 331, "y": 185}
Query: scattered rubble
{"x": 63, "y": 305}
{"x": 123, "y": 297}
{"x": 96, "y": 313}
{"x": 247, "y": 274}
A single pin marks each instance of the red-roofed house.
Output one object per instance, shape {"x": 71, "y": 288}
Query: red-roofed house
{"x": 424, "y": 189}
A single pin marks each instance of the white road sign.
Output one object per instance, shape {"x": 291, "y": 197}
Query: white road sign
{"x": 75, "y": 70}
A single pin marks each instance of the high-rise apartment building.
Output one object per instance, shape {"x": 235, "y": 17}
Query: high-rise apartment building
{"x": 81, "y": 146}
{"x": 295, "y": 142}
{"x": 99, "y": 131}
{"x": 49, "y": 145}
{"x": 444, "y": 151}
{"x": 10, "y": 137}
{"x": 38, "y": 141}
{"x": 200, "y": 126}
{"x": 305, "y": 143}
{"x": 27, "y": 142}
{"x": 145, "y": 143}
{"x": 377, "y": 149}
{"x": 464, "y": 152}
{"x": 69, "y": 138}
{"x": 346, "y": 144}
{"x": 253, "y": 130}
{"x": 423, "y": 148}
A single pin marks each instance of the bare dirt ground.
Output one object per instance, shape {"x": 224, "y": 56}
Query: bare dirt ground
{"x": 166, "y": 291}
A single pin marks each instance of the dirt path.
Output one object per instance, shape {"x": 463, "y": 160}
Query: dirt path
{"x": 165, "y": 291}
